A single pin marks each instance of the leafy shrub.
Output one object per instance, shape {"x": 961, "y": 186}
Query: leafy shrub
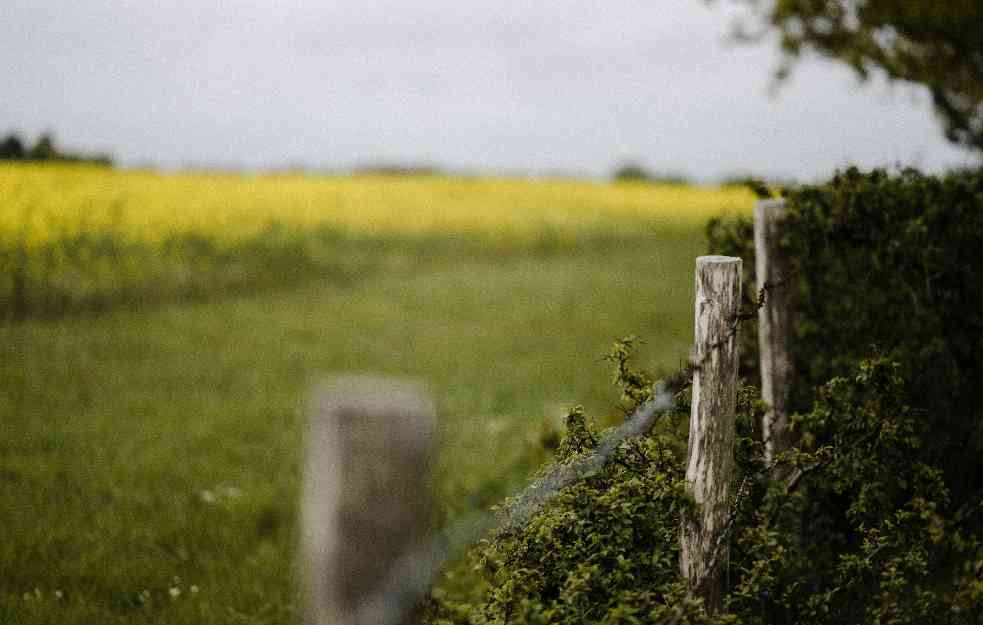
{"x": 862, "y": 530}
{"x": 606, "y": 548}
{"x": 889, "y": 266}
{"x": 877, "y": 515}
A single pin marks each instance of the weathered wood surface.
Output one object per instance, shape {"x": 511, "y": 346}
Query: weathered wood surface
{"x": 774, "y": 325}
{"x": 710, "y": 456}
{"x": 365, "y": 500}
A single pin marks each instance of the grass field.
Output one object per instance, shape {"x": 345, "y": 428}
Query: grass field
{"x": 149, "y": 455}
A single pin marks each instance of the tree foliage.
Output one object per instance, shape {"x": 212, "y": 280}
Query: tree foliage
{"x": 13, "y": 148}
{"x": 634, "y": 172}
{"x": 927, "y": 42}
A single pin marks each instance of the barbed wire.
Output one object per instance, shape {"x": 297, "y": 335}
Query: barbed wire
{"x": 413, "y": 573}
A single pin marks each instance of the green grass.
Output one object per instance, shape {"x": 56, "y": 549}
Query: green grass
{"x": 155, "y": 449}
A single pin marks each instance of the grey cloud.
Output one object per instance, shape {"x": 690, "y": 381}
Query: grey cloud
{"x": 503, "y": 86}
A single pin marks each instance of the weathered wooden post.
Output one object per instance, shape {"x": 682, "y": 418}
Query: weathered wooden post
{"x": 710, "y": 456}
{"x": 774, "y": 329}
{"x": 365, "y": 501}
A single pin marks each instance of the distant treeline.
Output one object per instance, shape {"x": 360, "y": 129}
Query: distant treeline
{"x": 634, "y": 172}
{"x": 13, "y": 148}
{"x": 761, "y": 185}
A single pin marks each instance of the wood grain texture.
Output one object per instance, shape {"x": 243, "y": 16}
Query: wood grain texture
{"x": 710, "y": 456}
{"x": 774, "y": 325}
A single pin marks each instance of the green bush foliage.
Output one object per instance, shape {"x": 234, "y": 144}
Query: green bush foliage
{"x": 860, "y": 529}
{"x": 876, "y": 516}
{"x": 605, "y": 549}
{"x": 863, "y": 529}
{"x": 887, "y": 265}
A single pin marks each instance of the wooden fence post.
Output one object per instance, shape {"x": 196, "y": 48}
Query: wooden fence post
{"x": 365, "y": 501}
{"x": 710, "y": 456}
{"x": 772, "y": 271}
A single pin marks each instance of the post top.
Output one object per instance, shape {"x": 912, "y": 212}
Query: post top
{"x": 715, "y": 259}
{"x": 359, "y": 401}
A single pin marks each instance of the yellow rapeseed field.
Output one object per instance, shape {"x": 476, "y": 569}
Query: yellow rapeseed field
{"x": 76, "y": 236}
{"x": 41, "y": 202}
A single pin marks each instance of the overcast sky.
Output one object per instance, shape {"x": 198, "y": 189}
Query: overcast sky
{"x": 494, "y": 86}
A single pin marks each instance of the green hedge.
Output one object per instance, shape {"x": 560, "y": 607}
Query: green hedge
{"x": 877, "y": 518}
{"x": 888, "y": 265}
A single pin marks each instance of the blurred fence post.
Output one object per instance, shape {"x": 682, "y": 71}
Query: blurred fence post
{"x": 774, "y": 319}
{"x": 710, "y": 455}
{"x": 365, "y": 501}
